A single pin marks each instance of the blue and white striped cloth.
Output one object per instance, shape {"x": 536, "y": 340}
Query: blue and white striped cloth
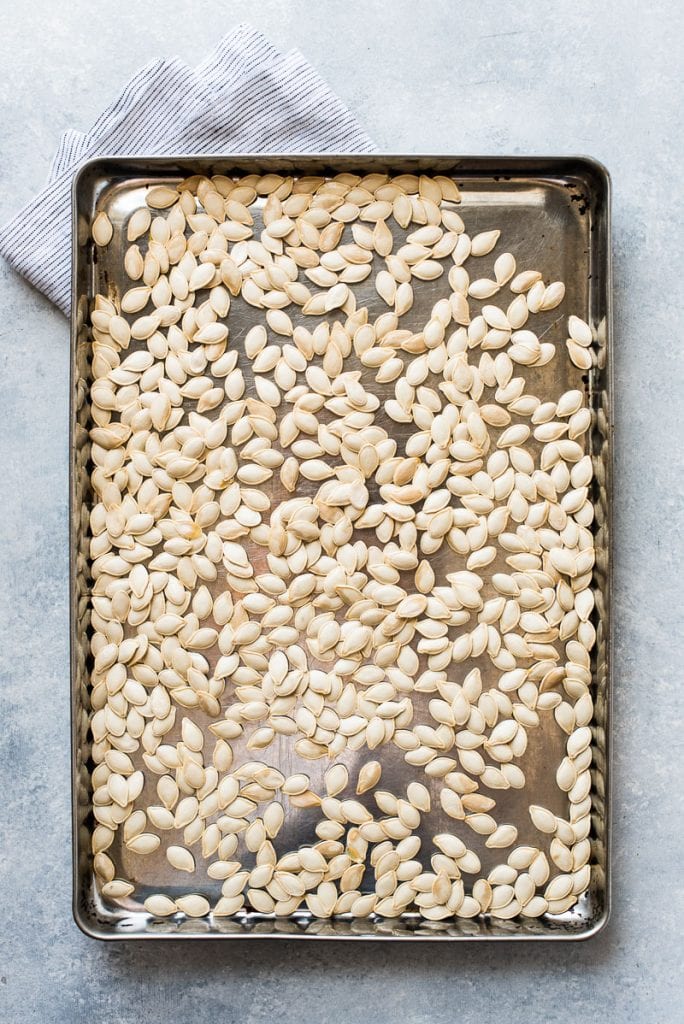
{"x": 246, "y": 97}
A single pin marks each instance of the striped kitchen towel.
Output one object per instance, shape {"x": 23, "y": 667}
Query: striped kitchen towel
{"x": 246, "y": 97}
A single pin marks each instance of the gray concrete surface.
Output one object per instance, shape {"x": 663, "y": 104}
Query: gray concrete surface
{"x": 478, "y": 76}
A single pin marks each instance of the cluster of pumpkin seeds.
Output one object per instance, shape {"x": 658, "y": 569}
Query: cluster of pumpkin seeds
{"x": 268, "y": 510}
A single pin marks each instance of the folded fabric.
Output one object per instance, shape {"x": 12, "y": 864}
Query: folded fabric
{"x": 246, "y": 97}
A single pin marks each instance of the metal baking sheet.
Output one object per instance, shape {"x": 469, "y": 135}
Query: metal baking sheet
{"x": 554, "y": 215}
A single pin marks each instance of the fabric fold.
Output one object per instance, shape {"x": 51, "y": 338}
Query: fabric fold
{"x": 245, "y": 97}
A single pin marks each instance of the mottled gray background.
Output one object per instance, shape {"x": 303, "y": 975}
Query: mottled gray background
{"x": 476, "y": 76}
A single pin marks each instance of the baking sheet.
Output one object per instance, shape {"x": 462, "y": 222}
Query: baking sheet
{"x": 554, "y": 216}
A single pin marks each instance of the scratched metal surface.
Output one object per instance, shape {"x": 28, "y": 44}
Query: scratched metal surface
{"x": 553, "y": 216}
